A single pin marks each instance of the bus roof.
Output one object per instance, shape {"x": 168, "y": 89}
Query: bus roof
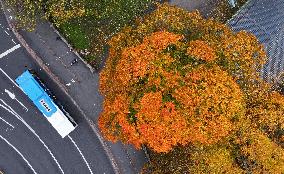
{"x": 32, "y": 89}
{"x": 36, "y": 93}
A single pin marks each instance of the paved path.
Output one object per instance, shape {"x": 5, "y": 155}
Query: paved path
{"x": 265, "y": 19}
{"x": 262, "y": 17}
{"x": 81, "y": 85}
{"x": 28, "y": 143}
{"x": 204, "y": 6}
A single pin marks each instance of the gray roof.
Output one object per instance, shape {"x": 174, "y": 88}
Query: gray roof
{"x": 265, "y": 19}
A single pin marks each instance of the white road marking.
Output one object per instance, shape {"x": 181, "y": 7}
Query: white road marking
{"x": 86, "y": 162}
{"x": 32, "y": 130}
{"x": 10, "y": 50}
{"x": 12, "y": 96}
{"x": 13, "y": 112}
{"x": 10, "y": 78}
{"x": 9, "y": 124}
{"x": 14, "y": 41}
{"x": 6, "y": 32}
{"x": 7, "y": 109}
{"x": 11, "y": 145}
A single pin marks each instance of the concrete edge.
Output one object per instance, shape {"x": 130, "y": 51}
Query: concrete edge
{"x": 39, "y": 61}
{"x": 92, "y": 70}
{"x": 75, "y": 52}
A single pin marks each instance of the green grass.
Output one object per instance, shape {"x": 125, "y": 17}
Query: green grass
{"x": 102, "y": 20}
{"x": 75, "y": 35}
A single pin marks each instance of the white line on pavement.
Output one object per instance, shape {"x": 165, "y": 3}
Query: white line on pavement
{"x": 6, "y": 32}
{"x": 11, "y": 145}
{"x": 10, "y": 50}
{"x": 12, "y": 111}
{"x": 14, "y": 41}
{"x": 9, "y": 124}
{"x": 13, "y": 97}
{"x": 86, "y": 162}
{"x": 7, "y": 109}
{"x": 9, "y": 78}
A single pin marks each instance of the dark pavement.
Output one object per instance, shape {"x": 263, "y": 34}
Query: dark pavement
{"x": 40, "y": 149}
{"x": 81, "y": 85}
{"x": 203, "y": 6}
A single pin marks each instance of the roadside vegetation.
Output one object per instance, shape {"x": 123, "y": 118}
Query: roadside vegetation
{"x": 101, "y": 20}
{"x": 189, "y": 89}
{"x": 89, "y": 24}
{"x": 86, "y": 24}
{"x": 185, "y": 87}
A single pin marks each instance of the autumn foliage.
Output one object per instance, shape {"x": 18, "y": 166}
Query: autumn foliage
{"x": 168, "y": 107}
{"x": 190, "y": 87}
{"x": 201, "y": 50}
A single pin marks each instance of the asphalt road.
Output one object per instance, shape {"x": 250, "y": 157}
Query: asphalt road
{"x": 28, "y": 143}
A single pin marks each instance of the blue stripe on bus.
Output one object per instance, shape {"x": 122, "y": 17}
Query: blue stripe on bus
{"x": 36, "y": 93}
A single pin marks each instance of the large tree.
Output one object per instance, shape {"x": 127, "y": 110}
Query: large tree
{"x": 162, "y": 99}
{"x": 189, "y": 88}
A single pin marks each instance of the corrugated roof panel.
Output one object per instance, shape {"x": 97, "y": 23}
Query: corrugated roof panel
{"x": 265, "y": 19}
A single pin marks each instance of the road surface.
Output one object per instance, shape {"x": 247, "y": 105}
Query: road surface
{"x": 28, "y": 143}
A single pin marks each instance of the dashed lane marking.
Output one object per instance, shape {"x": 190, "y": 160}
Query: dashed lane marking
{"x": 13, "y": 97}
{"x": 14, "y": 41}
{"x": 6, "y": 32}
{"x": 10, "y": 50}
{"x": 11, "y": 145}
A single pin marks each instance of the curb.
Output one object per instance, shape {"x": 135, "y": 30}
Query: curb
{"x": 39, "y": 61}
{"x": 74, "y": 51}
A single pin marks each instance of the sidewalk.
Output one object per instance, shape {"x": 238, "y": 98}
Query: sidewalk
{"x": 203, "y": 6}
{"x": 81, "y": 83}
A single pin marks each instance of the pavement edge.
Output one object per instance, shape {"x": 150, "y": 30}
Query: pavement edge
{"x": 39, "y": 61}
